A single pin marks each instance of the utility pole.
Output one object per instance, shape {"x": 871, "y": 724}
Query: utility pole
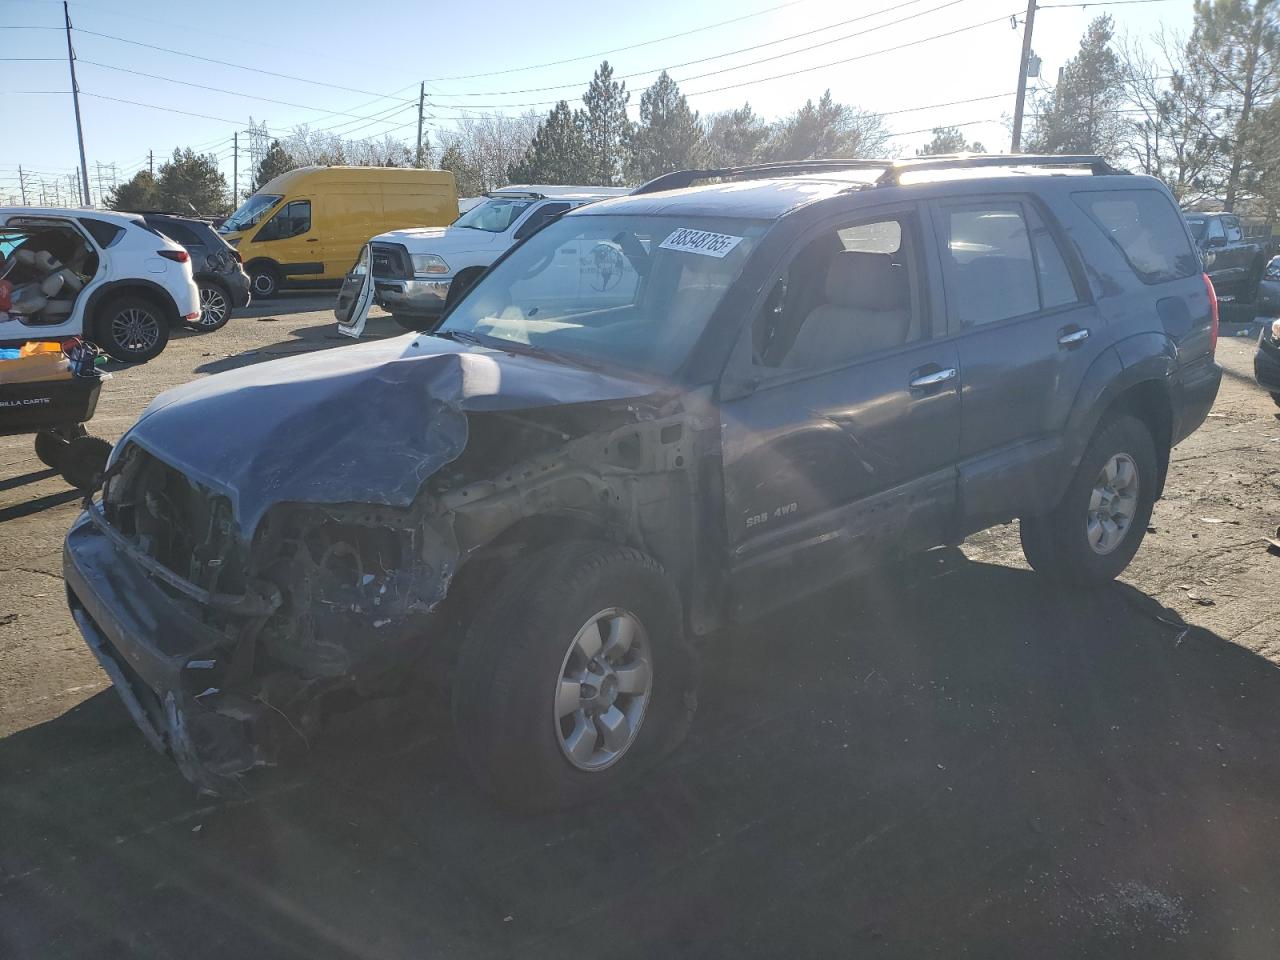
{"x": 235, "y": 169}
{"x": 151, "y": 162}
{"x": 75, "y": 98}
{"x": 1027, "y": 26}
{"x": 422, "y": 95}
{"x": 22, "y": 184}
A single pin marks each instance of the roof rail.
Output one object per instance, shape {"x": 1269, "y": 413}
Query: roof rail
{"x": 679, "y": 179}
{"x": 968, "y": 161}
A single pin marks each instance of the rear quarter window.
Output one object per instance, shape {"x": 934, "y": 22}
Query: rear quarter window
{"x": 1146, "y": 228}
{"x": 102, "y": 231}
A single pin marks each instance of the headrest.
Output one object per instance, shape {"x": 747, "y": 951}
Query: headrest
{"x": 870, "y": 281}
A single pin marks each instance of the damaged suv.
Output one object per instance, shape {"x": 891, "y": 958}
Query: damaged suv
{"x": 750, "y": 389}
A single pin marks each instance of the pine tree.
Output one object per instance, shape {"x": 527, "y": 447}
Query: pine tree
{"x": 140, "y": 192}
{"x": 465, "y": 176}
{"x": 559, "y": 152}
{"x": 1082, "y": 114}
{"x": 825, "y": 130}
{"x": 191, "y": 183}
{"x": 608, "y": 129}
{"x": 274, "y": 162}
{"x": 949, "y": 140}
{"x": 735, "y": 137}
{"x": 668, "y": 137}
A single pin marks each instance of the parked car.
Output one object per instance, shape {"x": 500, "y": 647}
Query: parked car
{"x": 1266, "y": 362}
{"x": 108, "y": 277}
{"x": 219, "y": 276}
{"x": 1269, "y": 288}
{"x": 418, "y": 272}
{"x": 309, "y": 224}
{"x": 545, "y": 501}
{"x": 1233, "y": 261}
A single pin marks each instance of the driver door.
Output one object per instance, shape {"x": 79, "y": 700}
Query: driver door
{"x": 356, "y": 296}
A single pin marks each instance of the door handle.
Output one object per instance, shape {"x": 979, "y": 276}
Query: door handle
{"x": 933, "y": 379}
{"x": 1073, "y": 338}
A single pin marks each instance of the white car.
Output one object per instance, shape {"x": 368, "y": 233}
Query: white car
{"x": 419, "y": 272}
{"x": 98, "y": 274}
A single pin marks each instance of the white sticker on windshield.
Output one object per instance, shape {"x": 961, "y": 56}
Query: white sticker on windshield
{"x": 700, "y": 241}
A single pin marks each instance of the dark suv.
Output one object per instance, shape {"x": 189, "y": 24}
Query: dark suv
{"x": 734, "y": 395}
{"x": 223, "y": 283}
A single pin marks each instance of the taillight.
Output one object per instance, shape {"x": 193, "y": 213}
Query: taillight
{"x": 177, "y": 256}
{"x": 236, "y": 255}
{"x": 1213, "y": 314}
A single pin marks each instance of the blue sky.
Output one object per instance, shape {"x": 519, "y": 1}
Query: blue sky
{"x": 364, "y": 64}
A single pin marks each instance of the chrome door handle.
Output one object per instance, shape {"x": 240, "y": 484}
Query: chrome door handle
{"x": 933, "y": 379}
{"x": 1073, "y": 338}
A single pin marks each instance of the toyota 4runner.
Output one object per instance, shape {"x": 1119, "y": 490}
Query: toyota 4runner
{"x": 791, "y": 373}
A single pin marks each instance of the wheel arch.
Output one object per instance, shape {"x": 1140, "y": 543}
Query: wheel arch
{"x": 263, "y": 262}
{"x": 133, "y": 286}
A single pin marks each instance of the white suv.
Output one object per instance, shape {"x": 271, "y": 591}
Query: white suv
{"x": 102, "y": 275}
{"x": 420, "y": 271}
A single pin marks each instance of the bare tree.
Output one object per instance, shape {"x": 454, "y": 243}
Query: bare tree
{"x": 489, "y": 146}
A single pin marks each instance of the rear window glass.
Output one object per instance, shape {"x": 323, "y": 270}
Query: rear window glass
{"x": 105, "y": 233}
{"x": 1147, "y": 229}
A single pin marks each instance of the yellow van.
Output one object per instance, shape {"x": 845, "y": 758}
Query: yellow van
{"x": 311, "y": 223}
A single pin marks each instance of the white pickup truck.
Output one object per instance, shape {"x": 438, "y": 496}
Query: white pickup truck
{"x": 418, "y": 272}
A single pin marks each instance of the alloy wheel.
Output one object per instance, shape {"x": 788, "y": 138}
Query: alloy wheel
{"x": 213, "y": 307}
{"x": 1113, "y": 503}
{"x": 135, "y": 330}
{"x": 604, "y": 688}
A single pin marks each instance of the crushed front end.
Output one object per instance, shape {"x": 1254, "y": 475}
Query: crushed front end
{"x": 225, "y": 651}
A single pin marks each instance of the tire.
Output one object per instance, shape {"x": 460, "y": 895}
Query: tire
{"x": 83, "y": 461}
{"x": 264, "y": 280}
{"x": 50, "y": 448}
{"x": 509, "y": 690}
{"x": 1068, "y": 543}
{"x": 215, "y": 307}
{"x": 131, "y": 329}
{"x": 463, "y": 282}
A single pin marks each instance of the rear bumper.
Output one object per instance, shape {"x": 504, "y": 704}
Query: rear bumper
{"x": 423, "y": 298}
{"x": 1198, "y": 390}
{"x": 1266, "y": 364}
{"x": 165, "y": 663}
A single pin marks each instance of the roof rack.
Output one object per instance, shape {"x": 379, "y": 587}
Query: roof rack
{"x": 892, "y": 169}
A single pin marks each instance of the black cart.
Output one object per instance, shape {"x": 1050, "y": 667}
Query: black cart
{"x": 56, "y": 411}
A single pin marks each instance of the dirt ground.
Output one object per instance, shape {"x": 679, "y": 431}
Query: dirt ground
{"x": 947, "y": 759}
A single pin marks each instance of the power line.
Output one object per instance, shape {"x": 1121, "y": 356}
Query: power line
{"x": 152, "y": 106}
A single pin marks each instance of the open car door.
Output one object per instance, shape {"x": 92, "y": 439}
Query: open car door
{"x": 356, "y": 296}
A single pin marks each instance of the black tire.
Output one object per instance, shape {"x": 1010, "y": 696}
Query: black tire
{"x": 511, "y": 663}
{"x": 1276, "y": 397}
{"x": 50, "y": 448}
{"x": 463, "y": 282}
{"x": 83, "y": 461}
{"x": 215, "y": 304}
{"x": 1058, "y": 544}
{"x": 264, "y": 280}
{"x": 115, "y": 332}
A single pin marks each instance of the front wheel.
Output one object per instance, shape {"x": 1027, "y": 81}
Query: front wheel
{"x": 576, "y": 678}
{"x": 131, "y": 329}
{"x": 1099, "y": 524}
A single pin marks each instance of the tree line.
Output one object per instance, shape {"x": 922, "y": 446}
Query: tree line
{"x": 1198, "y": 111}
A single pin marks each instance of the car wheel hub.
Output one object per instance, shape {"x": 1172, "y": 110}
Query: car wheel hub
{"x": 213, "y": 307}
{"x": 603, "y": 691}
{"x": 135, "y": 330}
{"x": 1113, "y": 503}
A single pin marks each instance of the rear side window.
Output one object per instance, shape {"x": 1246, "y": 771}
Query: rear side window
{"x": 179, "y": 233}
{"x": 1147, "y": 229}
{"x": 105, "y": 233}
{"x": 990, "y": 272}
{"x": 1234, "y": 233}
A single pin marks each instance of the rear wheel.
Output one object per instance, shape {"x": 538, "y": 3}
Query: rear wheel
{"x": 1099, "y": 524}
{"x": 131, "y": 329}
{"x": 52, "y": 444}
{"x": 215, "y": 307}
{"x": 576, "y": 679}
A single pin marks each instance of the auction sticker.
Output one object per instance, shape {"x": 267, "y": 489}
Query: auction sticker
{"x": 700, "y": 241}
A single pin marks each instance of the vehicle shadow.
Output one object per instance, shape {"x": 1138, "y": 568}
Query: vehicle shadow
{"x": 22, "y": 479}
{"x": 946, "y": 759}
{"x": 39, "y": 504}
{"x": 306, "y": 339}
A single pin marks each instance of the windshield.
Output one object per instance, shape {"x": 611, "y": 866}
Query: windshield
{"x": 494, "y": 215}
{"x": 250, "y": 212}
{"x": 632, "y": 291}
{"x": 1198, "y": 227}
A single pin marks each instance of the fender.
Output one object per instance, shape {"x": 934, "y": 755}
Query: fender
{"x": 1145, "y": 357}
{"x": 141, "y": 285}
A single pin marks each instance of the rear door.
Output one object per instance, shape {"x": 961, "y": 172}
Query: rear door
{"x": 1026, "y": 330}
{"x": 356, "y": 296}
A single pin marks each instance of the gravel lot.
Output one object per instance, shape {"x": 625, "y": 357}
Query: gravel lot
{"x": 947, "y": 759}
